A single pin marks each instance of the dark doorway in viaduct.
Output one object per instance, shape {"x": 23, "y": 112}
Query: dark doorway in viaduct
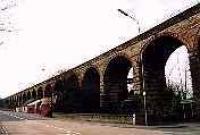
{"x": 159, "y": 97}
{"x": 115, "y": 83}
{"x": 91, "y": 91}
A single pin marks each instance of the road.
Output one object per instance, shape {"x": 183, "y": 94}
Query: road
{"x": 28, "y": 124}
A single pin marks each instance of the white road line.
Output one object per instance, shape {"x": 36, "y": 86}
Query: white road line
{"x": 68, "y": 132}
{"x": 52, "y": 126}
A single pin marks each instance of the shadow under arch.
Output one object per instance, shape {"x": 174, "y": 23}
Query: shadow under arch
{"x": 71, "y": 94}
{"x": 115, "y": 83}
{"x": 20, "y": 98}
{"x": 91, "y": 91}
{"x": 34, "y": 94}
{"x": 58, "y": 90}
{"x": 48, "y": 91}
{"x": 24, "y": 97}
{"x": 28, "y": 95}
{"x": 40, "y": 93}
{"x": 154, "y": 59}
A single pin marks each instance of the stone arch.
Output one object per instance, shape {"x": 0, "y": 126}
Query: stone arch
{"x": 58, "y": 90}
{"x": 73, "y": 73}
{"x": 48, "y": 90}
{"x": 71, "y": 94}
{"x": 194, "y": 56}
{"x": 196, "y": 43}
{"x": 24, "y": 98}
{"x": 91, "y": 90}
{"x": 33, "y": 93}
{"x": 164, "y": 34}
{"x": 94, "y": 67}
{"x": 40, "y": 93}
{"x": 115, "y": 81}
{"x": 28, "y": 95}
{"x": 59, "y": 85}
{"x": 20, "y": 99}
{"x": 114, "y": 55}
{"x": 154, "y": 58}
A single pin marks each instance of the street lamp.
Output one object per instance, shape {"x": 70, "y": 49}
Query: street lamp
{"x": 134, "y": 19}
{"x": 144, "y": 92}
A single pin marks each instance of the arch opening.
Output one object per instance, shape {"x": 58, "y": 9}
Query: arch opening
{"x": 34, "y": 94}
{"x": 24, "y": 97}
{"x": 116, "y": 84}
{"x": 28, "y": 95}
{"x": 20, "y": 100}
{"x": 48, "y": 91}
{"x": 71, "y": 95}
{"x": 160, "y": 96}
{"x": 59, "y": 89}
{"x": 40, "y": 93}
{"x": 91, "y": 91}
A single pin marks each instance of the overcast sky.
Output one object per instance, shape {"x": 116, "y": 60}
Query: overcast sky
{"x": 40, "y": 37}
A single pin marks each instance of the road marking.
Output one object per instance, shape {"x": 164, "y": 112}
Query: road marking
{"x": 68, "y": 132}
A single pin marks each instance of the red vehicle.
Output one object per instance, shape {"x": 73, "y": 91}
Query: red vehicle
{"x": 41, "y": 106}
{"x": 37, "y": 106}
{"x": 30, "y": 109}
{"x": 46, "y": 107}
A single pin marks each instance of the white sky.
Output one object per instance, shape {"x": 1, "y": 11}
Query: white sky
{"x": 178, "y": 70}
{"x": 60, "y": 34}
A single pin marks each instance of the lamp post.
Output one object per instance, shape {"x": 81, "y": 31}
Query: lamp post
{"x": 144, "y": 92}
{"x": 145, "y": 108}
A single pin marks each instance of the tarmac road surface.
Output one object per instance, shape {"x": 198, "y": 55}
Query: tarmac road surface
{"x": 29, "y": 124}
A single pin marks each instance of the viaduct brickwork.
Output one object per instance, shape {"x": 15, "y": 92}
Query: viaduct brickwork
{"x": 100, "y": 84}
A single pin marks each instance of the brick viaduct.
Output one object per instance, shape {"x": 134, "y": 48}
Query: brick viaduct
{"x": 100, "y": 84}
